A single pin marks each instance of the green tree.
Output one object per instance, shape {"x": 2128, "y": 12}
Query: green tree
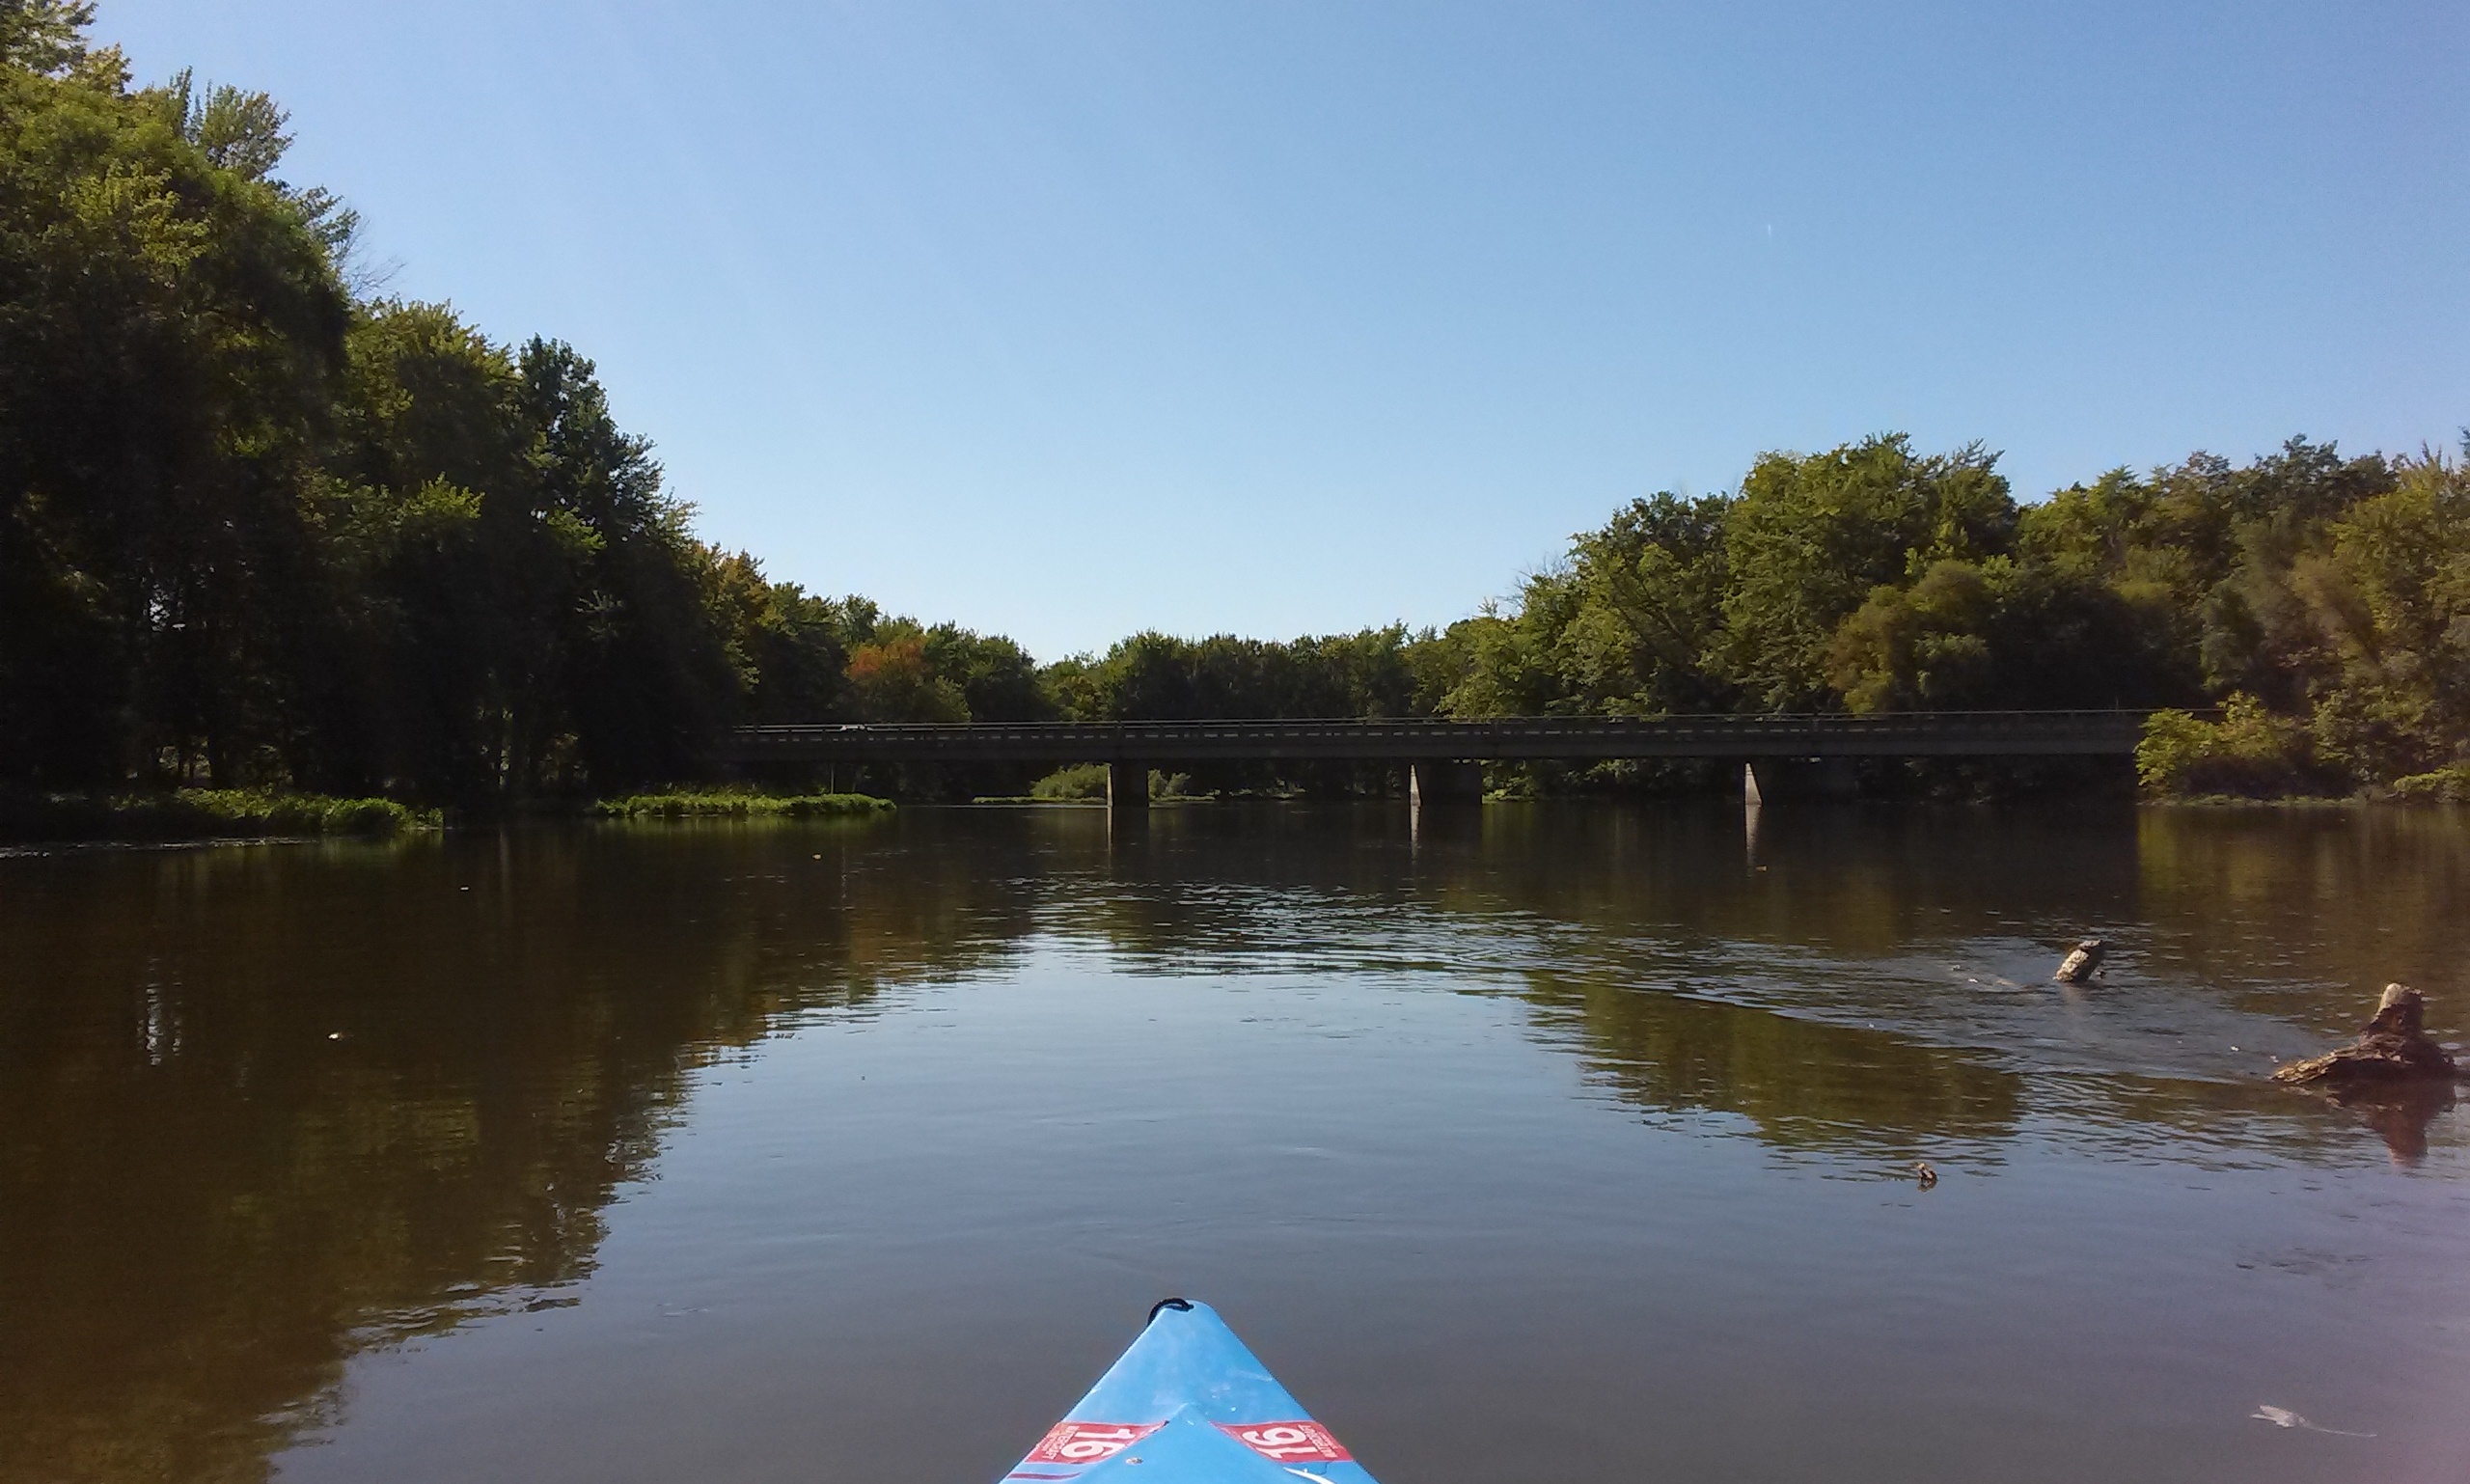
{"x": 1813, "y": 536}
{"x": 649, "y": 679}
{"x": 997, "y": 678}
{"x": 2389, "y": 605}
{"x": 453, "y": 578}
{"x": 2004, "y": 634}
{"x": 44, "y": 37}
{"x": 786, "y": 645}
{"x": 169, "y": 336}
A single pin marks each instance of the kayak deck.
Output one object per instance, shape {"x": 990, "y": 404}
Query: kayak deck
{"x": 1188, "y": 1404}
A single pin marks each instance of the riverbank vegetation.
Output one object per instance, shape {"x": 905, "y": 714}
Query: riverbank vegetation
{"x": 202, "y": 813}
{"x": 1079, "y": 782}
{"x": 263, "y": 527}
{"x": 740, "y": 803}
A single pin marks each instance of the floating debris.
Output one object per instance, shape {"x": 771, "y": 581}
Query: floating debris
{"x": 2082, "y": 964}
{"x": 2394, "y": 1048}
{"x": 2283, "y": 1417}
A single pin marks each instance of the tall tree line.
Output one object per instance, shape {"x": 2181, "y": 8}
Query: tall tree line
{"x": 2325, "y": 600}
{"x": 257, "y": 528}
{"x": 262, "y": 526}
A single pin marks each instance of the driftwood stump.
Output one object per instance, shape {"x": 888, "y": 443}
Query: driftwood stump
{"x": 2082, "y": 964}
{"x": 2393, "y": 1050}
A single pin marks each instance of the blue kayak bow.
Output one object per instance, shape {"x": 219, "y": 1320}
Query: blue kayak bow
{"x": 1188, "y": 1404}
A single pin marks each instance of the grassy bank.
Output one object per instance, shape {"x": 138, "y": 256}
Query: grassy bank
{"x": 739, "y": 804}
{"x": 201, "y": 814}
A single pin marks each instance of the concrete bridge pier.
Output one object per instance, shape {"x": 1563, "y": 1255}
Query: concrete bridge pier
{"x": 1445, "y": 780}
{"x": 1127, "y": 785}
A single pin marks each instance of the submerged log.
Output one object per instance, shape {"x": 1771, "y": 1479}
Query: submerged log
{"x": 2082, "y": 964}
{"x": 2395, "y": 1047}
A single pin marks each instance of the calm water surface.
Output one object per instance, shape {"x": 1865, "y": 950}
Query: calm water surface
{"x": 1536, "y": 1143}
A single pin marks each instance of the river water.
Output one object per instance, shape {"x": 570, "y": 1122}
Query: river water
{"x": 1534, "y": 1141}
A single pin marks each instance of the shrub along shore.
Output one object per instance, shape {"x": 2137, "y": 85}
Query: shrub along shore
{"x": 739, "y": 804}
{"x": 246, "y": 814}
{"x": 204, "y": 813}
{"x": 2248, "y": 754}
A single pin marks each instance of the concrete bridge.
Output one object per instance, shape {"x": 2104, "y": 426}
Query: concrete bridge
{"x": 1444, "y": 755}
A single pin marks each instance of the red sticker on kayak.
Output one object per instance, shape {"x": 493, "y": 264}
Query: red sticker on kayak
{"x": 1086, "y": 1443}
{"x": 1288, "y": 1442}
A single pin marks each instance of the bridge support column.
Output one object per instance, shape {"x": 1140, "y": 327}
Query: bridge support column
{"x": 1445, "y": 780}
{"x": 1127, "y": 785}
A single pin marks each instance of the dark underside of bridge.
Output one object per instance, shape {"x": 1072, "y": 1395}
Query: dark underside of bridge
{"x": 1440, "y": 751}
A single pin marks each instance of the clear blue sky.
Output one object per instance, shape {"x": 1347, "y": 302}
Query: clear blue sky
{"x": 1066, "y": 319}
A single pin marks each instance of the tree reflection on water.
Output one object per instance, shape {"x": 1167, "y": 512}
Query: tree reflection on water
{"x": 268, "y": 1108}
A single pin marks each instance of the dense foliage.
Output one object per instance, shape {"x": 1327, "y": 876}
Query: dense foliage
{"x": 262, "y": 528}
{"x": 2327, "y": 600}
{"x": 257, "y": 529}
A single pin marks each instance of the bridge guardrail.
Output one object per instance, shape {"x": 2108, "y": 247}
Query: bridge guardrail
{"x": 1942, "y": 733}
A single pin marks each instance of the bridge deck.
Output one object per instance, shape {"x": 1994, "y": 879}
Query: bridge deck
{"x": 1940, "y": 734}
